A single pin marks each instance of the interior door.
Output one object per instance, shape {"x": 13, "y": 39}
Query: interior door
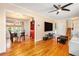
{"x": 32, "y": 29}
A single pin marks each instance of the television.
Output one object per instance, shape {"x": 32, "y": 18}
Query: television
{"x": 48, "y": 26}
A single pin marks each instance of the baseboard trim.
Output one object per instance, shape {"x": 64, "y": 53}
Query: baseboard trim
{"x": 71, "y": 54}
{"x": 38, "y": 40}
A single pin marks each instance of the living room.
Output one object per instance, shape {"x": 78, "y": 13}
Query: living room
{"x": 58, "y": 24}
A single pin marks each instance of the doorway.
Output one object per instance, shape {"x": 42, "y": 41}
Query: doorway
{"x": 32, "y": 30}
{"x": 22, "y": 26}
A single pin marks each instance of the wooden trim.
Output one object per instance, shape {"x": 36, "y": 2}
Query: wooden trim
{"x": 14, "y": 25}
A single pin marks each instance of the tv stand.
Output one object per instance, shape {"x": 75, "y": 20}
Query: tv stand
{"x": 48, "y": 36}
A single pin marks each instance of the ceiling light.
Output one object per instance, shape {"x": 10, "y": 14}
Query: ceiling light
{"x": 59, "y": 10}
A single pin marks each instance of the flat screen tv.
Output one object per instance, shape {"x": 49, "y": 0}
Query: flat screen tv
{"x": 48, "y": 26}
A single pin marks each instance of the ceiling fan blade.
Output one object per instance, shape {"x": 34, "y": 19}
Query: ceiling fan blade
{"x": 55, "y": 6}
{"x": 66, "y": 5}
{"x": 66, "y": 9}
{"x": 57, "y": 13}
{"x": 52, "y": 11}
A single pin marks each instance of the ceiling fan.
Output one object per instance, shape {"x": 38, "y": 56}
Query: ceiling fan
{"x": 60, "y": 8}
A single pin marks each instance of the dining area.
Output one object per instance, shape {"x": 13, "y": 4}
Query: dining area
{"x": 17, "y": 37}
{"x": 15, "y": 31}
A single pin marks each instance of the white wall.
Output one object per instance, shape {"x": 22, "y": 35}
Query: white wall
{"x": 61, "y": 27}
{"x": 2, "y": 31}
{"x": 40, "y": 28}
{"x": 69, "y": 23}
{"x": 27, "y": 27}
{"x": 76, "y": 26}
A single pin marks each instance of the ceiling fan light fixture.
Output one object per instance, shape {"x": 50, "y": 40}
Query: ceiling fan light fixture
{"x": 59, "y": 10}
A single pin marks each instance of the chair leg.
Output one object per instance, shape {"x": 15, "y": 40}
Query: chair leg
{"x": 57, "y": 40}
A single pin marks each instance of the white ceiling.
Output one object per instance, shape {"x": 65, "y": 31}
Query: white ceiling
{"x": 44, "y": 8}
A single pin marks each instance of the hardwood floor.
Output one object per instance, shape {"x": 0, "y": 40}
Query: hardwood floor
{"x": 41, "y": 48}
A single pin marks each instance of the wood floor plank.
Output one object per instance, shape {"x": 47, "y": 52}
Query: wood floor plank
{"x": 42, "y": 48}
